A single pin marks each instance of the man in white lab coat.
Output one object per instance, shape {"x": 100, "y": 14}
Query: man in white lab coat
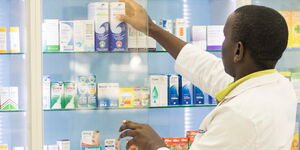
{"x": 257, "y": 106}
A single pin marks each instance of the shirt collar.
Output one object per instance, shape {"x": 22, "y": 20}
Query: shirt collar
{"x": 222, "y": 94}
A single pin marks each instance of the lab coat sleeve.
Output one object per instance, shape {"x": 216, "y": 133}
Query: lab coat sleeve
{"x": 236, "y": 133}
{"x": 203, "y": 69}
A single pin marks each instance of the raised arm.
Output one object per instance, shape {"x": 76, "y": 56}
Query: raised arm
{"x": 203, "y": 69}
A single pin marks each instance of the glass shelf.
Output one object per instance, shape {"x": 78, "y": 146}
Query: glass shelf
{"x": 182, "y": 106}
{"x": 11, "y": 53}
{"x": 8, "y": 111}
{"x": 107, "y": 52}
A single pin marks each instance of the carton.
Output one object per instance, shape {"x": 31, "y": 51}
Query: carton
{"x": 46, "y": 92}
{"x": 191, "y": 136}
{"x": 15, "y": 40}
{"x": 64, "y": 144}
{"x": 51, "y": 35}
{"x": 84, "y": 39}
{"x": 215, "y": 37}
{"x": 70, "y": 95}
{"x": 110, "y": 144}
{"x": 295, "y": 29}
{"x": 90, "y": 138}
{"x": 118, "y": 30}
{"x": 9, "y": 98}
{"x": 198, "y": 96}
{"x": 132, "y": 38}
{"x": 99, "y": 12}
{"x": 137, "y": 98}
{"x": 158, "y": 90}
{"x": 145, "y": 96}
{"x": 66, "y": 36}
{"x": 126, "y": 97}
{"x": 186, "y": 95}
{"x": 173, "y": 96}
{"x": 57, "y": 95}
{"x": 180, "y": 29}
{"x": 108, "y": 95}
{"x": 87, "y": 92}
{"x": 198, "y": 37}
{"x": 3, "y": 40}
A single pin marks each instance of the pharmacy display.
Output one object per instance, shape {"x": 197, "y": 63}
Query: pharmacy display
{"x": 86, "y": 93}
{"x": 103, "y": 32}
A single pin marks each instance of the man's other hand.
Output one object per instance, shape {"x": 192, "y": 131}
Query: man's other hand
{"x": 143, "y": 136}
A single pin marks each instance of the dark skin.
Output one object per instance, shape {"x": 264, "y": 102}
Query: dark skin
{"x": 237, "y": 62}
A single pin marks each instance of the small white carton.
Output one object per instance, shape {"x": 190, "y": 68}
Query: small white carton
{"x": 158, "y": 90}
{"x": 180, "y": 29}
{"x": 51, "y": 35}
{"x": 66, "y": 36}
{"x": 215, "y": 37}
{"x": 84, "y": 35}
{"x": 46, "y": 92}
{"x": 198, "y": 37}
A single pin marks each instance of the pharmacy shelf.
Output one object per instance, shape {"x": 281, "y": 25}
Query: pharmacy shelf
{"x": 107, "y": 52}
{"x": 159, "y": 107}
{"x": 11, "y": 53}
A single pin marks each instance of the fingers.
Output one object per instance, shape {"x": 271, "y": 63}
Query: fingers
{"x": 131, "y": 133}
{"x": 132, "y": 3}
{"x": 129, "y": 125}
{"x": 124, "y": 18}
{"x": 130, "y": 143}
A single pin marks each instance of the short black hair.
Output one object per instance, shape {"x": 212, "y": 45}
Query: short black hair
{"x": 263, "y": 31}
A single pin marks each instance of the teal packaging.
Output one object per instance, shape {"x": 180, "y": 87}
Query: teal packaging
{"x": 91, "y": 148}
{"x": 70, "y": 95}
{"x": 87, "y": 92}
{"x": 198, "y": 96}
{"x": 173, "y": 90}
{"x": 186, "y": 92}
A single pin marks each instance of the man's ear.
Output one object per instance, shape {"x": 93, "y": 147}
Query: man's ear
{"x": 239, "y": 52}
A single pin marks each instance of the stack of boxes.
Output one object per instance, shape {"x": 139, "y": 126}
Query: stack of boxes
{"x": 176, "y": 143}
{"x": 101, "y": 32}
{"x": 86, "y": 93}
{"x": 14, "y": 38}
{"x": 168, "y": 90}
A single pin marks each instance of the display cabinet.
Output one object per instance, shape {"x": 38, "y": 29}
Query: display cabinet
{"x": 77, "y": 79}
{"x": 61, "y": 76}
{"x": 13, "y": 75}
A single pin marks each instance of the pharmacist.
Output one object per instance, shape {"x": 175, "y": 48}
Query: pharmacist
{"x": 257, "y": 106}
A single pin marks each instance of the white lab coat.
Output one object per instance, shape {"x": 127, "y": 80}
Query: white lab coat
{"x": 259, "y": 114}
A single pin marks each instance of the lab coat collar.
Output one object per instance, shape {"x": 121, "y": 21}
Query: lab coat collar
{"x": 252, "y": 83}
